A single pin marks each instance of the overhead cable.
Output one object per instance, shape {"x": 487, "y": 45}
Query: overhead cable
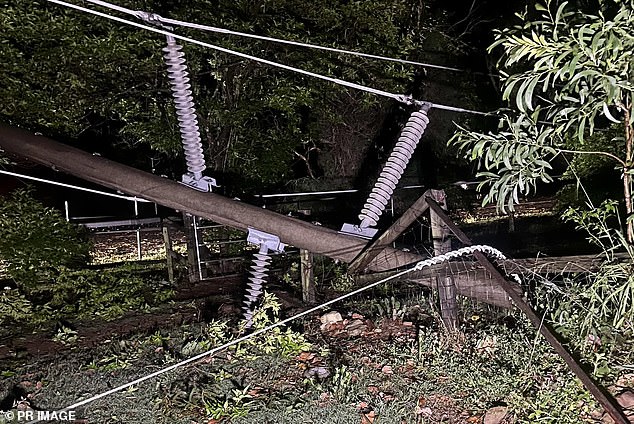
{"x": 398, "y": 97}
{"x": 168, "y": 21}
{"x": 89, "y": 190}
{"x": 488, "y": 250}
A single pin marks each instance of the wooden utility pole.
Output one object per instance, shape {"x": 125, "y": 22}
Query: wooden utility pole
{"x": 233, "y": 213}
{"x": 308, "y": 276}
{"x": 445, "y": 283}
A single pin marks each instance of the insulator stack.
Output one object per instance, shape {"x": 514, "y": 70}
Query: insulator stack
{"x": 393, "y": 169}
{"x": 259, "y": 272}
{"x": 185, "y": 109}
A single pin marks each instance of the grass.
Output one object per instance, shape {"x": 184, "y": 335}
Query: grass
{"x": 413, "y": 374}
{"x": 404, "y": 373}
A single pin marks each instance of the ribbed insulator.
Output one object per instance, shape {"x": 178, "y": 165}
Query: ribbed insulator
{"x": 185, "y": 108}
{"x": 393, "y": 169}
{"x": 259, "y": 272}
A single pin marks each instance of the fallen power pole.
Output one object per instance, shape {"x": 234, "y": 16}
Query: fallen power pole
{"x": 236, "y": 214}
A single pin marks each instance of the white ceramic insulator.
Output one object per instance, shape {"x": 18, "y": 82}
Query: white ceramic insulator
{"x": 393, "y": 169}
{"x": 185, "y": 108}
{"x": 259, "y": 272}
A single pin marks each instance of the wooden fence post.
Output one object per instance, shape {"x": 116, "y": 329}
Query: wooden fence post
{"x": 446, "y": 285}
{"x": 308, "y": 276}
{"x": 192, "y": 254}
{"x": 169, "y": 253}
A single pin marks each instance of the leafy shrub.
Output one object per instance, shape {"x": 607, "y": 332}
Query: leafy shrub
{"x": 14, "y": 307}
{"x": 36, "y": 241}
{"x": 105, "y": 293}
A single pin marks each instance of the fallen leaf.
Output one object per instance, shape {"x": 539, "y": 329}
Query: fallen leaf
{"x": 425, "y": 412}
{"x": 387, "y": 369}
{"x": 305, "y": 356}
{"x": 473, "y": 420}
{"x": 362, "y": 406}
{"x": 495, "y": 415}
{"x": 368, "y": 418}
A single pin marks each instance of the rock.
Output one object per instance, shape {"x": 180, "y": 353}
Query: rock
{"x": 495, "y": 415}
{"x": 357, "y": 316}
{"x": 424, "y": 411}
{"x": 626, "y": 399}
{"x": 626, "y": 380}
{"x": 320, "y": 373}
{"x": 386, "y": 369}
{"x": 330, "y": 318}
{"x": 356, "y": 328}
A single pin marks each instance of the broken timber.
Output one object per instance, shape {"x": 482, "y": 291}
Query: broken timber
{"x": 360, "y": 263}
{"x": 304, "y": 235}
{"x": 445, "y": 284}
{"x": 606, "y": 401}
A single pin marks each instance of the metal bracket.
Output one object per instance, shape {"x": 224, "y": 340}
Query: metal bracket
{"x": 357, "y": 231}
{"x": 270, "y": 241}
{"x": 202, "y": 184}
{"x": 152, "y": 19}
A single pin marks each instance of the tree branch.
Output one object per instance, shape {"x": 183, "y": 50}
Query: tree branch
{"x": 587, "y": 152}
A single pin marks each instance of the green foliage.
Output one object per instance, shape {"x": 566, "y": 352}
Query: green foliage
{"x": 276, "y": 341}
{"x": 36, "y": 242}
{"x": 66, "y": 336}
{"x": 562, "y": 71}
{"x": 15, "y": 308}
{"x": 513, "y": 160}
{"x": 104, "y": 293}
{"x": 341, "y": 385}
{"x": 235, "y": 404}
{"x": 341, "y": 281}
{"x": 607, "y": 301}
{"x": 76, "y": 75}
{"x": 580, "y": 63}
{"x": 515, "y": 366}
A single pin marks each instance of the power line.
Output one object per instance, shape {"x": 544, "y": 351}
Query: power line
{"x": 490, "y": 251}
{"x": 398, "y": 97}
{"x": 146, "y": 16}
{"x": 89, "y": 190}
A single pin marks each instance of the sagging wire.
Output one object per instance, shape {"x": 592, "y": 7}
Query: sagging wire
{"x": 487, "y": 250}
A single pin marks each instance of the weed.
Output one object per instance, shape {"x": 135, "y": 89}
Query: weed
{"x": 65, "y": 336}
{"x": 284, "y": 342}
{"x": 341, "y": 384}
{"x": 234, "y": 405}
{"x": 14, "y": 307}
{"x": 341, "y": 281}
